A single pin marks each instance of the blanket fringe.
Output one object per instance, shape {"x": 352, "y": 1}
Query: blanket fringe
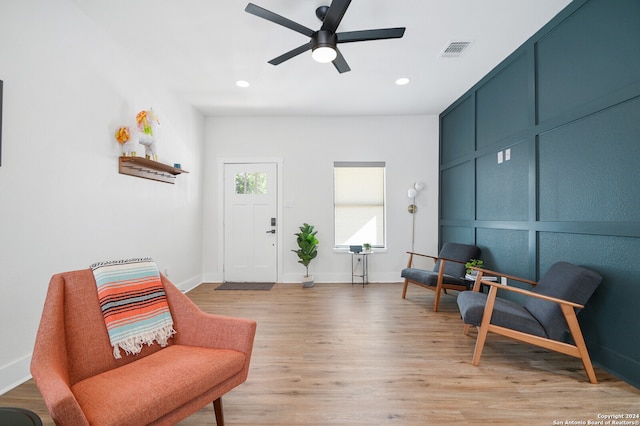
{"x": 134, "y": 345}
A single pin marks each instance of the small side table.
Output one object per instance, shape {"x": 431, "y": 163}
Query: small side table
{"x": 18, "y": 417}
{"x": 472, "y": 279}
{"x": 362, "y": 258}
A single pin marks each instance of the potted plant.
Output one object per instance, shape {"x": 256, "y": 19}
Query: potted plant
{"x": 366, "y": 247}
{"x": 307, "y": 250}
{"x": 473, "y": 263}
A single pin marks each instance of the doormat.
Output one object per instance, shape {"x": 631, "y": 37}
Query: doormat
{"x": 245, "y": 286}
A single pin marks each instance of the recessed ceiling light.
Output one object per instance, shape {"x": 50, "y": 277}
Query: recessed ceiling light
{"x": 402, "y": 81}
{"x": 242, "y": 83}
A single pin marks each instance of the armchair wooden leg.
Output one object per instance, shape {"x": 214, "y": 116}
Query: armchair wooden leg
{"x": 482, "y": 337}
{"x": 483, "y": 330}
{"x": 404, "y": 289}
{"x": 576, "y": 334}
{"x": 439, "y": 288}
{"x": 466, "y": 329}
{"x": 217, "y": 408}
{"x": 436, "y": 302}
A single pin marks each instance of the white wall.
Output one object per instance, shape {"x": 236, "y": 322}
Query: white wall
{"x": 62, "y": 203}
{"x": 67, "y": 87}
{"x": 308, "y": 146}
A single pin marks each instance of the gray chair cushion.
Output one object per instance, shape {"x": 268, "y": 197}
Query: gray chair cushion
{"x": 506, "y": 313}
{"x": 563, "y": 281}
{"x": 430, "y": 278}
{"x": 460, "y": 252}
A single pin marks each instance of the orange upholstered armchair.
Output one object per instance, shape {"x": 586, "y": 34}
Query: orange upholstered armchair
{"x": 82, "y": 382}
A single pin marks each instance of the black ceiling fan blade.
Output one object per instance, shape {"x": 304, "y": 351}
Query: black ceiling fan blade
{"x": 334, "y": 16}
{"x": 340, "y": 63}
{"x": 365, "y": 35}
{"x": 290, "y": 54}
{"x": 277, "y": 19}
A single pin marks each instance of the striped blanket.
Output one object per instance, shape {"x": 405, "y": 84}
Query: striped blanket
{"x": 133, "y": 303}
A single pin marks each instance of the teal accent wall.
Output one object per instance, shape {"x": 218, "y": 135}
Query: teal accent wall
{"x": 566, "y": 104}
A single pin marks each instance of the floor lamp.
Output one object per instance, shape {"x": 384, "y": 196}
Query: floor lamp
{"x": 412, "y": 193}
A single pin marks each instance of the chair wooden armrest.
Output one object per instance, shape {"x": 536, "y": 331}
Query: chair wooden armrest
{"x": 482, "y": 272}
{"x": 411, "y": 254}
{"x": 532, "y": 294}
{"x": 518, "y": 289}
{"x": 435, "y": 258}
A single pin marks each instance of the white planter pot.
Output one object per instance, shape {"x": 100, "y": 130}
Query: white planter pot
{"x": 307, "y": 281}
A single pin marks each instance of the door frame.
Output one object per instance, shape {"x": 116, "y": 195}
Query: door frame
{"x": 279, "y": 238}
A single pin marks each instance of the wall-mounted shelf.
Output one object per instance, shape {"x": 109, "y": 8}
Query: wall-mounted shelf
{"x": 148, "y": 169}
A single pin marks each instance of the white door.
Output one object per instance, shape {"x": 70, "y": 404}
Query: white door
{"x": 250, "y": 222}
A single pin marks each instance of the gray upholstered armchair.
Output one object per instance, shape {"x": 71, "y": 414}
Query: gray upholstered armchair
{"x": 447, "y": 274}
{"x": 548, "y": 312}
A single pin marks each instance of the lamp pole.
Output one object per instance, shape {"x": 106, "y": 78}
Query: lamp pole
{"x": 412, "y": 193}
{"x": 412, "y": 209}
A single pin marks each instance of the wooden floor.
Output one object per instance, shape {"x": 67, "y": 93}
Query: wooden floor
{"x": 338, "y": 354}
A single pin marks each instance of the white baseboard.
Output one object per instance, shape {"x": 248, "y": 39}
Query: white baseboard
{"x": 341, "y": 277}
{"x": 15, "y": 373}
{"x": 189, "y": 284}
{"x": 378, "y": 277}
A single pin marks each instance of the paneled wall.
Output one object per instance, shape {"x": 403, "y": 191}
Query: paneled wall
{"x": 563, "y": 114}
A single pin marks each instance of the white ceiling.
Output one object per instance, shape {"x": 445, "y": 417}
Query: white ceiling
{"x": 200, "y": 48}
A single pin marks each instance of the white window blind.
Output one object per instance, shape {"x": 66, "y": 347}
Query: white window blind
{"x": 359, "y": 203}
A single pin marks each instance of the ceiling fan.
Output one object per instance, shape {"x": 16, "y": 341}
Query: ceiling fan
{"x": 323, "y": 43}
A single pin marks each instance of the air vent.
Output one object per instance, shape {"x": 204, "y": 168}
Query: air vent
{"x": 455, "y": 49}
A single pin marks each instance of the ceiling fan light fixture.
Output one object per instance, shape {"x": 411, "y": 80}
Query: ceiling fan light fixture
{"x": 324, "y": 46}
{"x": 324, "y": 54}
{"x": 323, "y": 43}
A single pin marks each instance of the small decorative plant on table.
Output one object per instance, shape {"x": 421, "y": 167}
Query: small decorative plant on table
{"x": 473, "y": 263}
{"x": 307, "y": 250}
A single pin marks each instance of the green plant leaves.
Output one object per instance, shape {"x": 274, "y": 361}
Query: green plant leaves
{"x": 308, "y": 245}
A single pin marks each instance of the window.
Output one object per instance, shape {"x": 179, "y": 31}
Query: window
{"x": 359, "y": 196}
{"x": 251, "y": 183}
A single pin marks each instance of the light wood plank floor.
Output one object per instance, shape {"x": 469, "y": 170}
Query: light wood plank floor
{"x": 338, "y": 354}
